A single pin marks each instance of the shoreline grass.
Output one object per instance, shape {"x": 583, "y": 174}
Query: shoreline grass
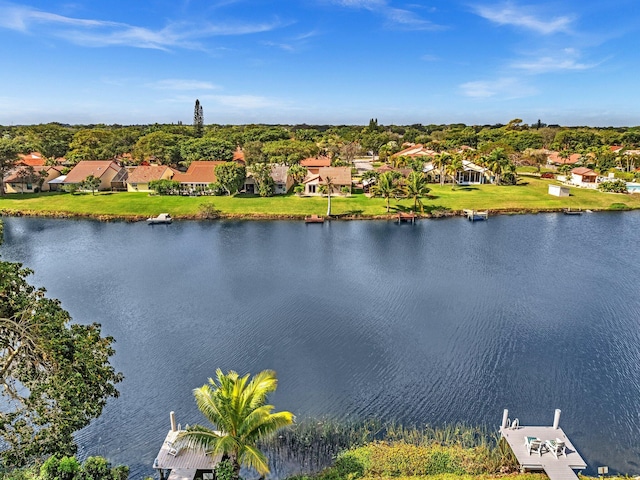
{"x": 529, "y": 196}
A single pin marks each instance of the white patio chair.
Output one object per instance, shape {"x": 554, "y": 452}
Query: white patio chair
{"x": 556, "y": 447}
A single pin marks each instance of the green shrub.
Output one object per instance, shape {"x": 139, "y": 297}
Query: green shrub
{"x": 618, "y": 206}
{"x": 615, "y": 186}
{"x": 121, "y": 472}
{"x": 224, "y": 470}
{"x": 96, "y": 468}
{"x": 353, "y": 463}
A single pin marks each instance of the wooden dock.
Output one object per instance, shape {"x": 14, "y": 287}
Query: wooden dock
{"x": 475, "y": 215}
{"x": 314, "y": 219}
{"x": 181, "y": 463}
{"x": 561, "y": 468}
{"x": 406, "y": 217}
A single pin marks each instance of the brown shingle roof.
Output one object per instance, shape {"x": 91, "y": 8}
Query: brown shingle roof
{"x": 338, "y": 175}
{"x": 97, "y": 168}
{"x": 146, "y": 173}
{"x": 13, "y": 175}
{"x": 584, "y": 171}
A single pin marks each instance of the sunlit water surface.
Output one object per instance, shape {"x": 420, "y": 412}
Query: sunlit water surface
{"x": 443, "y": 321}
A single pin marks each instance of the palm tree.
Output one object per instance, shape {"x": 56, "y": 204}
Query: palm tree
{"x": 416, "y": 188}
{"x": 385, "y": 187}
{"x": 441, "y": 161}
{"x": 327, "y": 188}
{"x": 237, "y": 407}
{"x": 453, "y": 168}
{"x": 498, "y": 162}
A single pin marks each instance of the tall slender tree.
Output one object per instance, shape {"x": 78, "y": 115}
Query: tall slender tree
{"x": 198, "y": 119}
{"x": 8, "y": 158}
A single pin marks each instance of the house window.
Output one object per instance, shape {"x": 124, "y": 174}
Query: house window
{"x": 29, "y": 186}
{"x": 312, "y": 189}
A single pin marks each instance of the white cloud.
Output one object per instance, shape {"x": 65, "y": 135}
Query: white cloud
{"x": 99, "y": 33}
{"x": 505, "y": 88}
{"x": 430, "y": 58}
{"x": 521, "y": 16}
{"x": 565, "y": 60}
{"x": 182, "y": 84}
{"x": 395, "y": 17}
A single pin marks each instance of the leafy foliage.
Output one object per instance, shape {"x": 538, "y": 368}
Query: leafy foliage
{"x": 231, "y": 176}
{"x": 93, "y": 468}
{"x": 237, "y": 407}
{"x": 165, "y": 186}
{"x": 91, "y": 183}
{"x": 55, "y": 375}
{"x": 613, "y": 186}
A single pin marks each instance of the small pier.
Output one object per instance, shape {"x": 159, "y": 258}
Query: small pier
{"x": 559, "y": 464}
{"x": 406, "y": 217}
{"x": 475, "y": 215}
{"x": 176, "y": 463}
{"x": 314, "y": 219}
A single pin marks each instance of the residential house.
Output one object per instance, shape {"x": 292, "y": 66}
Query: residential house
{"x": 417, "y": 150}
{"x": 238, "y": 156}
{"x": 138, "y": 179}
{"x": 198, "y": 176}
{"x": 283, "y": 182}
{"x": 554, "y": 158}
{"x": 584, "y": 177}
{"x": 314, "y": 164}
{"x": 30, "y": 179}
{"x": 33, "y": 159}
{"x": 471, "y": 173}
{"x": 104, "y": 170}
{"x": 340, "y": 178}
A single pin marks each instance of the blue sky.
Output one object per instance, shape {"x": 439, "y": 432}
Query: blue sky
{"x": 320, "y": 61}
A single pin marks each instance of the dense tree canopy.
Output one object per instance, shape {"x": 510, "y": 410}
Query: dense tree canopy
{"x": 55, "y": 375}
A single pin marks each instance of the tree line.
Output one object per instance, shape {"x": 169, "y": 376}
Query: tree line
{"x": 179, "y": 145}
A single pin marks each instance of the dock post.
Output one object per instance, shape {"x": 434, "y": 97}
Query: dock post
{"x": 172, "y": 416}
{"x": 505, "y": 418}
{"x": 556, "y": 419}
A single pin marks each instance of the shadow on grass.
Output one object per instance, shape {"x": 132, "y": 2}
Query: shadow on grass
{"x": 465, "y": 189}
{"x": 348, "y": 213}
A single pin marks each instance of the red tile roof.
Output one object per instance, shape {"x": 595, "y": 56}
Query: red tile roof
{"x": 554, "y": 157}
{"x": 238, "y": 156}
{"x": 417, "y": 150}
{"x": 316, "y": 162}
{"x": 33, "y": 159}
{"x": 199, "y": 172}
{"x": 97, "y": 168}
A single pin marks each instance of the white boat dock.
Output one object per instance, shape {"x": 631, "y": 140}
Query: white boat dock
{"x": 557, "y": 468}
{"x": 475, "y": 215}
{"x": 182, "y": 463}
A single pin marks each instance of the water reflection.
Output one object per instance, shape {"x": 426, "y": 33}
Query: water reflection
{"x": 438, "y": 322}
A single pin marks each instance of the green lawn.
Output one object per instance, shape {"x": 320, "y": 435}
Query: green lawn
{"x": 530, "y": 195}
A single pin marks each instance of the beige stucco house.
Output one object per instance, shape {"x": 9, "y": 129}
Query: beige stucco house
{"x": 105, "y": 170}
{"x": 139, "y": 178}
{"x": 340, "y": 177}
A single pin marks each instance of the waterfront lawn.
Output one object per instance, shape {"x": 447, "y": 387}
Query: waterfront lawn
{"x": 529, "y": 195}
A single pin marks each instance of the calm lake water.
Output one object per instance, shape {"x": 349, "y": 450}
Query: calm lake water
{"x": 443, "y": 321}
